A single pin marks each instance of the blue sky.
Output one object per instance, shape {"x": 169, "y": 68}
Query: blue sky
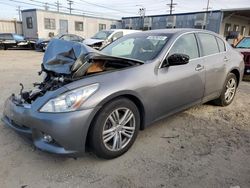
{"x": 118, "y": 8}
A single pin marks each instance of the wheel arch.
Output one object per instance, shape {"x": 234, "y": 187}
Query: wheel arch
{"x": 124, "y": 94}
{"x": 236, "y": 72}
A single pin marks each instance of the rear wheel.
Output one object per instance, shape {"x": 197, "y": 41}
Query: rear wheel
{"x": 115, "y": 128}
{"x": 228, "y": 92}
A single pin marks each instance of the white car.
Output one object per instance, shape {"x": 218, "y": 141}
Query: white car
{"x": 105, "y": 37}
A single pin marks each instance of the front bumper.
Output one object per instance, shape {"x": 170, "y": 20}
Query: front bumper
{"x": 68, "y": 130}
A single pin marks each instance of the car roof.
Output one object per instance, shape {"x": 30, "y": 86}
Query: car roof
{"x": 175, "y": 31}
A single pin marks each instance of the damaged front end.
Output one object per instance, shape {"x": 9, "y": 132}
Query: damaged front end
{"x": 65, "y": 62}
{"x": 40, "y": 113}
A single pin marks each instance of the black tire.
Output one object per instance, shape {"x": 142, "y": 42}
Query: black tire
{"x": 221, "y": 101}
{"x": 96, "y": 138}
{"x": 3, "y": 47}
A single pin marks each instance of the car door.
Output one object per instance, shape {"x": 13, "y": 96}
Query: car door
{"x": 183, "y": 85}
{"x": 215, "y": 65}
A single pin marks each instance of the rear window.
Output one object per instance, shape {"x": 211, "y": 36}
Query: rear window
{"x": 209, "y": 44}
{"x": 244, "y": 43}
{"x": 6, "y": 37}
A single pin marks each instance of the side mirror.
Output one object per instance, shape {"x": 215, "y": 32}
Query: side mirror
{"x": 176, "y": 59}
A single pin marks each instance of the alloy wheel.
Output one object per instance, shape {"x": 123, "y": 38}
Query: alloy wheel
{"x": 230, "y": 90}
{"x": 118, "y": 129}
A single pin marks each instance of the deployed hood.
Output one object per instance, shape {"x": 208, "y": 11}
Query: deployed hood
{"x": 61, "y": 56}
{"x": 72, "y": 58}
{"x": 90, "y": 42}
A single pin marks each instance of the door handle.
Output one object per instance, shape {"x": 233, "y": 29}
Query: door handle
{"x": 226, "y": 59}
{"x": 199, "y": 67}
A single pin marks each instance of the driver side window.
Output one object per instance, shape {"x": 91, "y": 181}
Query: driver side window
{"x": 187, "y": 45}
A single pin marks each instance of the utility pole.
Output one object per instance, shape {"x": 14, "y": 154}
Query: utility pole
{"x": 205, "y": 22}
{"x": 19, "y": 12}
{"x": 70, "y": 2}
{"x": 142, "y": 13}
{"x": 58, "y": 5}
{"x": 46, "y": 6}
{"x": 171, "y": 6}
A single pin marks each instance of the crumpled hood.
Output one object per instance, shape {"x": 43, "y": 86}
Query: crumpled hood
{"x": 72, "y": 58}
{"x": 61, "y": 55}
{"x": 90, "y": 42}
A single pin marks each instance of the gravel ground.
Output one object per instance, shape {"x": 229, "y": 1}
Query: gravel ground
{"x": 205, "y": 146}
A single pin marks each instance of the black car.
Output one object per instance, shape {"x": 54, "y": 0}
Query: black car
{"x": 12, "y": 40}
{"x": 42, "y": 43}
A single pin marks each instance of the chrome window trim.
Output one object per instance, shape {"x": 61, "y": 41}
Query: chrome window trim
{"x": 193, "y": 32}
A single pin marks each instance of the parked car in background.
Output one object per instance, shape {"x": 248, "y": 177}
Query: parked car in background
{"x": 105, "y": 37}
{"x": 42, "y": 43}
{"x": 12, "y": 40}
{"x": 101, "y": 99}
{"x": 244, "y": 47}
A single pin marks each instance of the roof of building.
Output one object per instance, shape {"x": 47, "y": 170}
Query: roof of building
{"x": 64, "y": 13}
{"x": 239, "y": 10}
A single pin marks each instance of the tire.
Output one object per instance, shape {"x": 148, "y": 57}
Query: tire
{"x": 228, "y": 91}
{"x": 103, "y": 143}
{"x": 3, "y": 47}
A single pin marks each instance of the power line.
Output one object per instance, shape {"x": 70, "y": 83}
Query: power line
{"x": 102, "y": 6}
{"x": 171, "y": 6}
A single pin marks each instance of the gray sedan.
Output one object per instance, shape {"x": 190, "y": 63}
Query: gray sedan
{"x": 102, "y": 99}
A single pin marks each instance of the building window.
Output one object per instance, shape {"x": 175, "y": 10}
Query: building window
{"x": 102, "y": 27}
{"x": 243, "y": 30}
{"x": 113, "y": 26}
{"x": 236, "y": 28}
{"x": 227, "y": 29}
{"x": 79, "y": 26}
{"x": 49, "y": 23}
{"x": 29, "y": 22}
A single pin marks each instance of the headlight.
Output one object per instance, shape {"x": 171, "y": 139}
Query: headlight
{"x": 70, "y": 101}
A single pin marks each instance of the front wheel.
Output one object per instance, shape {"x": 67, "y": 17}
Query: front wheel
{"x": 228, "y": 92}
{"x": 115, "y": 128}
{"x": 3, "y": 46}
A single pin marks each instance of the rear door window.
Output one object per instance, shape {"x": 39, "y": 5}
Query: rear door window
{"x": 187, "y": 45}
{"x": 209, "y": 44}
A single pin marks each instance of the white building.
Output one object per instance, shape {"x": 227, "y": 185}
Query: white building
{"x": 11, "y": 26}
{"x": 43, "y": 24}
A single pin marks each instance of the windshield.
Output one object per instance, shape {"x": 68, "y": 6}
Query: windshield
{"x": 244, "y": 43}
{"x": 18, "y": 37}
{"x": 141, "y": 47}
{"x": 102, "y": 35}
